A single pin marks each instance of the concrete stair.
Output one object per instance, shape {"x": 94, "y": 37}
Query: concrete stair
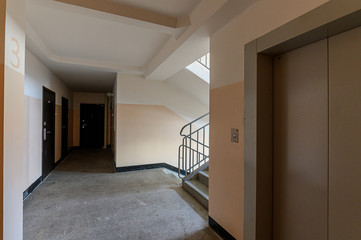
{"x": 197, "y": 186}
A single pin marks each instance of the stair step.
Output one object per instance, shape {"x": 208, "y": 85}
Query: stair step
{"x": 198, "y": 190}
{"x": 203, "y": 177}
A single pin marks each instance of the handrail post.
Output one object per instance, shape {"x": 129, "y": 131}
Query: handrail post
{"x": 187, "y": 150}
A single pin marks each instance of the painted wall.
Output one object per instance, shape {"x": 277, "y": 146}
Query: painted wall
{"x": 191, "y": 84}
{"x": 227, "y": 72}
{"x": 2, "y": 81}
{"x": 114, "y": 121}
{"x": 90, "y": 98}
{"x": 137, "y": 90}
{"x": 147, "y": 134}
{"x": 149, "y": 116}
{"x": 13, "y": 135}
{"x": 38, "y": 75}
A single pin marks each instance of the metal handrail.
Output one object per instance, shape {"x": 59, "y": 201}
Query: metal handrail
{"x": 194, "y": 151}
{"x": 189, "y": 124}
{"x": 204, "y": 65}
{"x": 204, "y": 61}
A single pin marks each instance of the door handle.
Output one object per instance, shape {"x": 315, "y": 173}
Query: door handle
{"x": 44, "y": 134}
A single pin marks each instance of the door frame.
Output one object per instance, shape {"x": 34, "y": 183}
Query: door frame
{"x": 337, "y": 17}
{"x": 53, "y": 129}
{"x": 63, "y": 102}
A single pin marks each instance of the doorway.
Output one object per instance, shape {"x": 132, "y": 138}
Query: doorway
{"x": 64, "y": 127}
{"x": 91, "y": 125}
{"x": 48, "y": 133}
{"x": 322, "y": 171}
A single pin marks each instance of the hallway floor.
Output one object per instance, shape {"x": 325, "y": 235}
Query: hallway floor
{"x": 83, "y": 199}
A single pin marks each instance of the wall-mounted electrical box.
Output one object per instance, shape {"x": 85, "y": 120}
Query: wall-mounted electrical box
{"x": 234, "y": 135}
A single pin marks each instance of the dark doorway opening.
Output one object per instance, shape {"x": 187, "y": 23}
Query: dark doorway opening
{"x": 48, "y": 132}
{"x": 64, "y": 126}
{"x": 91, "y": 125}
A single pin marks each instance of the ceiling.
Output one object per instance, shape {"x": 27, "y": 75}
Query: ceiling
{"x": 85, "y": 43}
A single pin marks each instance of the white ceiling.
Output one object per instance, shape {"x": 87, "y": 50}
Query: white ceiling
{"x": 86, "y": 47}
{"x": 74, "y": 35}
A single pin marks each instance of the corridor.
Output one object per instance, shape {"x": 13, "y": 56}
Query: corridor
{"x": 84, "y": 199}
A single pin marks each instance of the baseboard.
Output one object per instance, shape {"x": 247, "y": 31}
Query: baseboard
{"x": 148, "y": 166}
{"x": 32, "y": 187}
{"x": 219, "y": 229}
{"x": 58, "y": 162}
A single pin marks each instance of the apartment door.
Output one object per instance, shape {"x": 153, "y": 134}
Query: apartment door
{"x": 91, "y": 125}
{"x": 64, "y": 126}
{"x": 48, "y": 133}
{"x": 300, "y": 165}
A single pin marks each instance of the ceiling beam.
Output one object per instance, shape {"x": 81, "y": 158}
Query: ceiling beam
{"x": 130, "y": 12}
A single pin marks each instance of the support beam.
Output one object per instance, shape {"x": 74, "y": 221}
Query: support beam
{"x": 131, "y": 12}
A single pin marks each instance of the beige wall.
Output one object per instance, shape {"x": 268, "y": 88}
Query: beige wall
{"x": 32, "y": 144}
{"x": 70, "y": 128}
{"x": 147, "y": 134}
{"x": 13, "y": 137}
{"x": 38, "y": 75}
{"x": 13, "y": 152}
{"x": 57, "y": 132}
{"x": 225, "y": 169}
{"x": 2, "y": 78}
{"x": 345, "y": 136}
{"x": 114, "y": 134}
{"x": 90, "y": 98}
{"x": 227, "y": 67}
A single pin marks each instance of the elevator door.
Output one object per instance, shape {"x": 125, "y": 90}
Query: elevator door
{"x": 345, "y": 136}
{"x": 300, "y": 162}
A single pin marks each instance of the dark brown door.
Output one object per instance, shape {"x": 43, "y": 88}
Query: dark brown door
{"x": 64, "y": 127}
{"x": 48, "y": 133}
{"x": 91, "y": 125}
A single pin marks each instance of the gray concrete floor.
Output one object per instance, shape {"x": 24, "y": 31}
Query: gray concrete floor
{"x": 84, "y": 199}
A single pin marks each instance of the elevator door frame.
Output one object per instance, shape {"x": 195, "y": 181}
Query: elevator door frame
{"x": 258, "y": 97}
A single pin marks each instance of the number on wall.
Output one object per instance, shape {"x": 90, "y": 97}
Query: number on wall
{"x": 16, "y": 53}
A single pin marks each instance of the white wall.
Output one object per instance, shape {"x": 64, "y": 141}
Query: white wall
{"x": 137, "y": 90}
{"x": 191, "y": 84}
{"x": 149, "y": 115}
{"x": 37, "y": 75}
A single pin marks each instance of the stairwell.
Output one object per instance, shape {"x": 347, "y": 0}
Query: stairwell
{"x": 197, "y": 186}
{"x": 193, "y": 155}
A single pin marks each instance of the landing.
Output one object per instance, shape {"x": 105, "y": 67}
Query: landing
{"x": 88, "y": 204}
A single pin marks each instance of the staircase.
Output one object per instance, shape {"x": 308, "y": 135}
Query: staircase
{"x": 193, "y": 159}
